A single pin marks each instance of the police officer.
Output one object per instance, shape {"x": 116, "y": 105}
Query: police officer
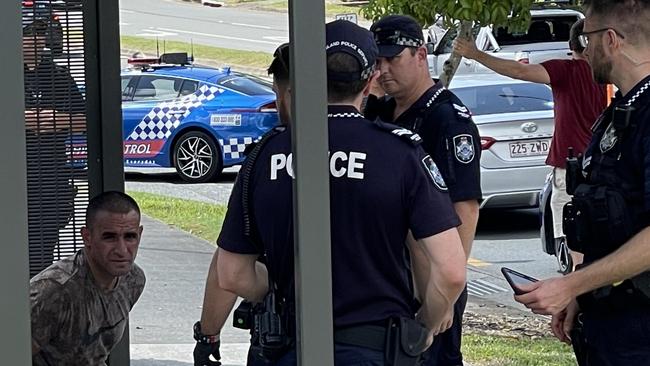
{"x": 609, "y": 215}
{"x": 373, "y": 210}
{"x": 53, "y": 104}
{"x": 449, "y": 135}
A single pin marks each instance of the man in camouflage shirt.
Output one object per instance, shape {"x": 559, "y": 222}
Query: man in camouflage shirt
{"x": 80, "y": 304}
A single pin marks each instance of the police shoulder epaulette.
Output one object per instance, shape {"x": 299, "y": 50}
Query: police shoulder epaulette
{"x": 403, "y": 133}
{"x": 268, "y": 134}
{"x": 444, "y": 96}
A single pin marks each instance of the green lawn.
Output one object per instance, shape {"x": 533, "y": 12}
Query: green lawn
{"x": 216, "y": 54}
{"x": 197, "y": 218}
{"x": 204, "y": 220}
{"x": 484, "y": 350}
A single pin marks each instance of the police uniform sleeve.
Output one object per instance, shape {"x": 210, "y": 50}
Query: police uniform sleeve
{"x": 430, "y": 210}
{"x": 232, "y": 237}
{"x": 458, "y": 152}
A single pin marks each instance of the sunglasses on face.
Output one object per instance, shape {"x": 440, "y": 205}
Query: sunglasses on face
{"x": 583, "y": 38}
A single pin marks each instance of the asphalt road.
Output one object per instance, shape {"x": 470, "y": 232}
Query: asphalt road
{"x": 233, "y": 28}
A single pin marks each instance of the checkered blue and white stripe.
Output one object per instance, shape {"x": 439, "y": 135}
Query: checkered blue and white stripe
{"x": 233, "y": 148}
{"x": 409, "y": 42}
{"x": 166, "y": 116}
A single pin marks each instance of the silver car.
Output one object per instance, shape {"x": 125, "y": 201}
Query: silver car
{"x": 515, "y": 122}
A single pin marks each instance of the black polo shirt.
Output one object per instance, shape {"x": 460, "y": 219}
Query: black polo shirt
{"x": 381, "y": 185}
{"x": 449, "y": 135}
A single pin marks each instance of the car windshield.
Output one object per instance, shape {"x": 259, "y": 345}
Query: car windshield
{"x": 506, "y": 98}
{"x": 246, "y": 84}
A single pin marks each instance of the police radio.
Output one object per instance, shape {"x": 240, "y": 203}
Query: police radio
{"x": 271, "y": 330}
{"x": 574, "y": 175}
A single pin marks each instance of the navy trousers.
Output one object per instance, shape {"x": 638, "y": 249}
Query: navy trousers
{"x": 344, "y": 355}
{"x": 617, "y": 338}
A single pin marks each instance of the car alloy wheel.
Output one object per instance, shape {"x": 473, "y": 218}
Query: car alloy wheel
{"x": 563, "y": 255}
{"x": 196, "y": 157}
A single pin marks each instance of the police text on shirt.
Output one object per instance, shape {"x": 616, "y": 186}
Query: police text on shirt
{"x": 348, "y": 164}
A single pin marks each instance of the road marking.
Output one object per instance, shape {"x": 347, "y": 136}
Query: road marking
{"x": 155, "y": 33}
{"x": 483, "y": 288}
{"x": 217, "y": 36}
{"x": 252, "y": 25}
{"x": 478, "y": 263}
{"x": 127, "y": 11}
{"x": 280, "y": 39}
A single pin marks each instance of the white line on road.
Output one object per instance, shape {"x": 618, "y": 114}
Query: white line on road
{"x": 218, "y": 36}
{"x": 252, "y": 25}
{"x": 127, "y": 11}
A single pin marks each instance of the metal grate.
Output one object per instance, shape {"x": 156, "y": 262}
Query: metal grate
{"x": 55, "y": 117}
{"x": 483, "y": 288}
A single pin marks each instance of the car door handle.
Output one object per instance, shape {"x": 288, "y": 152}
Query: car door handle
{"x": 177, "y": 112}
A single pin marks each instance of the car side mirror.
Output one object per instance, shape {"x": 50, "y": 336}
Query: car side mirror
{"x": 430, "y": 48}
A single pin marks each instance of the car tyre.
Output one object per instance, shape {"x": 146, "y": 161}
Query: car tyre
{"x": 563, "y": 255}
{"x": 197, "y": 158}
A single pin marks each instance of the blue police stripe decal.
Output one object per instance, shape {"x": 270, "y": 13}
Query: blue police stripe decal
{"x": 234, "y": 148}
{"x": 434, "y": 172}
{"x": 166, "y": 116}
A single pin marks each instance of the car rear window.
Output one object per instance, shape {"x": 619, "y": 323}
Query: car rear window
{"x": 506, "y": 98}
{"x": 246, "y": 84}
{"x": 546, "y": 29}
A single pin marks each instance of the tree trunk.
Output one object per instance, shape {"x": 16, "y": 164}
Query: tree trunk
{"x": 451, "y": 65}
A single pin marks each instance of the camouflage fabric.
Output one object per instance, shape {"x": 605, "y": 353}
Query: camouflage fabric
{"x": 74, "y": 322}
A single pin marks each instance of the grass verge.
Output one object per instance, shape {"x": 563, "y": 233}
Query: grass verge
{"x": 216, "y": 54}
{"x": 197, "y": 218}
{"x": 331, "y": 9}
{"x": 204, "y": 220}
{"x": 492, "y": 350}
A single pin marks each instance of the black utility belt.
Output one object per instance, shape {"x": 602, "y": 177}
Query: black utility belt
{"x": 624, "y": 296}
{"x": 402, "y": 340}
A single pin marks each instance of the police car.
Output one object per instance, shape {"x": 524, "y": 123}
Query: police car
{"x": 195, "y": 119}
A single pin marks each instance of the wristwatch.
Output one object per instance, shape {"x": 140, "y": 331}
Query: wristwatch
{"x": 203, "y": 338}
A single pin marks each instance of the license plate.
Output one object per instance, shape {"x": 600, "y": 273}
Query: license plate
{"x": 529, "y": 148}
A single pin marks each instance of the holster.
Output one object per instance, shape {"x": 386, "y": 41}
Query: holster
{"x": 405, "y": 341}
{"x": 578, "y": 341}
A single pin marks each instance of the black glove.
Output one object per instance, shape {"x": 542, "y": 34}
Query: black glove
{"x": 202, "y": 352}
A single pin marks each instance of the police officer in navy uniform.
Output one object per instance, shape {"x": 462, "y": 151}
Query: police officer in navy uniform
{"x": 449, "y": 135}
{"x": 53, "y": 103}
{"x": 609, "y": 215}
{"x": 384, "y": 194}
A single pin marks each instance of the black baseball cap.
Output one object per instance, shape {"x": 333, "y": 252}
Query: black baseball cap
{"x": 393, "y": 33}
{"x": 345, "y": 36}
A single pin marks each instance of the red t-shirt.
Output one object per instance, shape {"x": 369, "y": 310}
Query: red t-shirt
{"x": 579, "y": 100}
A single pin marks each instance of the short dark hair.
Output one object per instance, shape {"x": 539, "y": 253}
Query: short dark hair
{"x": 574, "y": 34}
{"x": 280, "y": 67}
{"x": 340, "y": 91}
{"x": 111, "y": 201}
{"x": 629, "y": 16}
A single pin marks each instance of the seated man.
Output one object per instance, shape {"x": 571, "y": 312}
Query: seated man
{"x": 80, "y": 304}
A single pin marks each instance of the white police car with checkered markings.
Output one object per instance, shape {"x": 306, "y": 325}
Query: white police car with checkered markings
{"x": 195, "y": 119}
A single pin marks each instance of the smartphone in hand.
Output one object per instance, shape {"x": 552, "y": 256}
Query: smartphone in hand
{"x": 515, "y": 279}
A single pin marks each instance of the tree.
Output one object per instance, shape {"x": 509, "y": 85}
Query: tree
{"x": 515, "y": 14}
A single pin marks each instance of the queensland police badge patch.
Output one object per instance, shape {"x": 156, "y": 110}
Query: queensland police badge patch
{"x": 464, "y": 148}
{"x": 609, "y": 139}
{"x": 434, "y": 172}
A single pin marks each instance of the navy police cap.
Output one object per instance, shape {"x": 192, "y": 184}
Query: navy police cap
{"x": 345, "y": 36}
{"x": 393, "y": 33}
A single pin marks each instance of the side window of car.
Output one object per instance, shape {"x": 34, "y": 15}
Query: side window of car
{"x": 189, "y": 87}
{"x": 152, "y": 87}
